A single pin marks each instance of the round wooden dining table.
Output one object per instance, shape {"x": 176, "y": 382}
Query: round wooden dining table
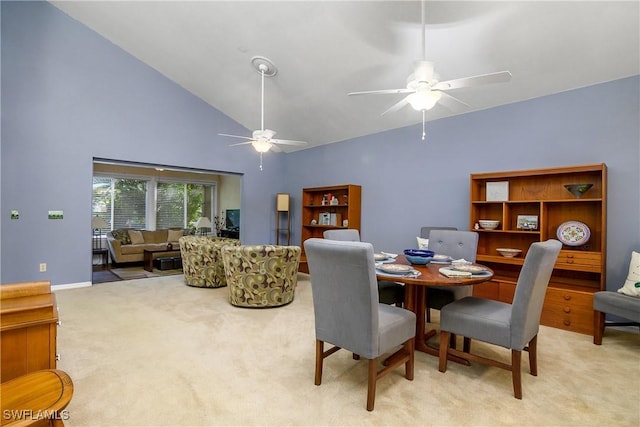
{"x": 415, "y": 297}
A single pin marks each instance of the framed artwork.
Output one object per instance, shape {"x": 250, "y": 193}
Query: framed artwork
{"x": 527, "y": 222}
{"x": 324, "y": 218}
{"x": 56, "y": 214}
{"x": 497, "y": 191}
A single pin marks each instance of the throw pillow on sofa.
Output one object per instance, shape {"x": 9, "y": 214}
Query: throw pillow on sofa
{"x": 136, "y": 237}
{"x": 631, "y": 286}
{"x": 122, "y": 236}
{"x": 174, "y": 235}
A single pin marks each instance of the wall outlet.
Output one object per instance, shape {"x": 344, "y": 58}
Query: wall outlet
{"x": 43, "y": 267}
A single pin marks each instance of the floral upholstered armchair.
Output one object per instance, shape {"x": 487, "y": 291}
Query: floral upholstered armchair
{"x": 202, "y": 260}
{"x": 261, "y": 275}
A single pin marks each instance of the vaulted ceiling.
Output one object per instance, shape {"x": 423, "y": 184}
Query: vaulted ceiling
{"x": 326, "y": 49}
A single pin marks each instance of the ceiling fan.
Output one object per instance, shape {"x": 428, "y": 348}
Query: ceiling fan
{"x": 425, "y": 91}
{"x": 263, "y": 140}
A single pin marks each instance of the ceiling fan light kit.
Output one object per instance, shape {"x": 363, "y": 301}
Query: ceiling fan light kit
{"x": 425, "y": 91}
{"x": 424, "y": 100}
{"x": 262, "y": 140}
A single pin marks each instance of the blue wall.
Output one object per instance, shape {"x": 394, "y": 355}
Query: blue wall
{"x": 69, "y": 95}
{"x": 408, "y": 183}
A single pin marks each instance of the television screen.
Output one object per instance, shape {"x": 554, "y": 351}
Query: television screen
{"x": 233, "y": 220}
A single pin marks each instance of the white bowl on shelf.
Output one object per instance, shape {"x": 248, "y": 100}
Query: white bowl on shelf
{"x": 488, "y": 224}
{"x": 509, "y": 252}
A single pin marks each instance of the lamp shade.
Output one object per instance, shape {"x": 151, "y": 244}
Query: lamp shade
{"x": 97, "y": 222}
{"x": 203, "y": 222}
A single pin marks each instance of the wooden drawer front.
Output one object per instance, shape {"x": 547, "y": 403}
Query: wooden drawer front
{"x": 506, "y": 292}
{"x": 575, "y": 260}
{"x": 27, "y": 350}
{"x": 570, "y": 310}
{"x": 487, "y": 290}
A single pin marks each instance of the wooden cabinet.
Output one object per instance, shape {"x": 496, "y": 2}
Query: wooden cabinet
{"x": 538, "y": 197}
{"x": 28, "y": 328}
{"x": 324, "y": 208}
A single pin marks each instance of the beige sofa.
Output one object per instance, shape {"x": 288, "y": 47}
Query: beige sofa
{"x": 128, "y": 245}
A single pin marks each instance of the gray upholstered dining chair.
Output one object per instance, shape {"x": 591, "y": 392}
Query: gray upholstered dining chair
{"x": 342, "y": 234}
{"x": 456, "y": 244}
{"x": 512, "y": 326}
{"x": 389, "y": 292}
{"x": 348, "y": 314}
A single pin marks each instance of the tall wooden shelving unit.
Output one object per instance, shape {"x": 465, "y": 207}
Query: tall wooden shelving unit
{"x": 347, "y": 208}
{"x": 580, "y": 271}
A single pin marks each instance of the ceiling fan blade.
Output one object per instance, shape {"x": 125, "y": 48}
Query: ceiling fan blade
{"x": 451, "y": 103}
{"x": 236, "y": 136}
{"x": 383, "y": 91}
{"x": 288, "y": 142}
{"x": 241, "y": 143}
{"x": 499, "y": 77}
{"x": 275, "y": 148}
{"x": 397, "y": 106}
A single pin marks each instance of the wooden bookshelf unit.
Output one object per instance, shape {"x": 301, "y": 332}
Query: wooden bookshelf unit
{"x": 539, "y": 197}
{"x": 28, "y": 328}
{"x": 343, "y": 213}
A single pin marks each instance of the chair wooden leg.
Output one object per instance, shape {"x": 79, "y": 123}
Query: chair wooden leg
{"x": 372, "y": 379}
{"x": 466, "y": 345}
{"x": 533, "y": 355}
{"x": 598, "y": 327}
{"x": 516, "y": 355}
{"x": 319, "y": 359}
{"x": 444, "y": 349}
{"x": 409, "y": 347}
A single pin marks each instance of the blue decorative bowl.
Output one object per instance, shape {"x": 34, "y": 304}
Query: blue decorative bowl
{"x": 418, "y": 256}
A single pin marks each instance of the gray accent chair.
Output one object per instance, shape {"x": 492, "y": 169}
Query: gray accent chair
{"x": 620, "y": 305}
{"x": 348, "y": 314}
{"x": 390, "y": 292}
{"x": 512, "y": 326}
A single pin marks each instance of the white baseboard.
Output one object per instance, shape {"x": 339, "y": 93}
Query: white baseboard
{"x": 70, "y": 286}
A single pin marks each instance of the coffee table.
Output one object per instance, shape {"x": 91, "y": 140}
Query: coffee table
{"x": 151, "y": 254}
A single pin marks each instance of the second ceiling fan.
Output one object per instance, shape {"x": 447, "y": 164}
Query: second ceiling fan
{"x": 425, "y": 91}
{"x": 263, "y": 139}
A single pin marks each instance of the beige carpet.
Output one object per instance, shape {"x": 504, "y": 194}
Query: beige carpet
{"x": 154, "y": 352}
{"x": 130, "y": 273}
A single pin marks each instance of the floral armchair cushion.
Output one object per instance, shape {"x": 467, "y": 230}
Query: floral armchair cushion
{"x": 261, "y": 275}
{"x": 202, "y": 260}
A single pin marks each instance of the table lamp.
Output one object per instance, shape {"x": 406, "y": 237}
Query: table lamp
{"x": 97, "y": 224}
{"x": 203, "y": 224}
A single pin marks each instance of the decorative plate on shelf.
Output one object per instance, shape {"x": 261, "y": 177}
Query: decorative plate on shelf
{"x": 573, "y": 233}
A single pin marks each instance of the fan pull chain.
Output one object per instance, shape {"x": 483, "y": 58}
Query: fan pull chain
{"x": 424, "y": 133}
{"x": 260, "y": 161}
